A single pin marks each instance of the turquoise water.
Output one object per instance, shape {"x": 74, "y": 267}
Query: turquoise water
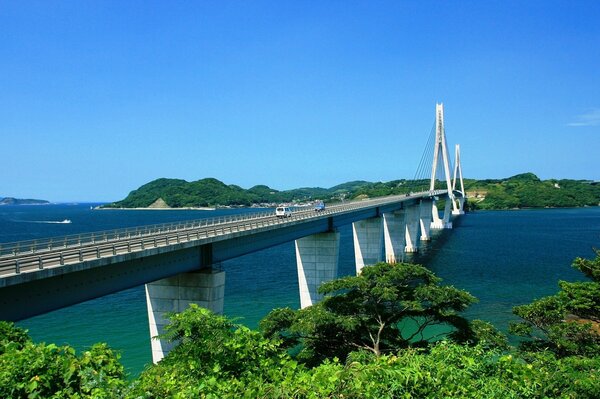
{"x": 504, "y": 258}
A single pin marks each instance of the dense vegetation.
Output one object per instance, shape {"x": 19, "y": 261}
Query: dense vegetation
{"x": 567, "y": 323}
{"x": 354, "y": 344}
{"x": 528, "y": 191}
{"x": 210, "y": 192}
{"x": 383, "y": 310}
{"x": 521, "y": 191}
{"x": 38, "y": 370}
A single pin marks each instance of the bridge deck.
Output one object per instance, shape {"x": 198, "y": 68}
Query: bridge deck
{"x": 44, "y": 258}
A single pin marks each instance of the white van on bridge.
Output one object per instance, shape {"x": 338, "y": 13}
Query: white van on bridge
{"x": 283, "y": 211}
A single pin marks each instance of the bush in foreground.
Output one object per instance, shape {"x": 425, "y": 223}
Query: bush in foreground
{"x": 36, "y": 370}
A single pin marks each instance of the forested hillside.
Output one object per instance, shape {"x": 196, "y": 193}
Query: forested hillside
{"x": 528, "y": 191}
{"x": 520, "y": 191}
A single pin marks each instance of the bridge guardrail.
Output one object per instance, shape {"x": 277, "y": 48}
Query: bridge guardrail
{"x": 59, "y": 251}
{"x": 16, "y": 248}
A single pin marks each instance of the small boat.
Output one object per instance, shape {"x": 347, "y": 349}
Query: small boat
{"x": 65, "y": 221}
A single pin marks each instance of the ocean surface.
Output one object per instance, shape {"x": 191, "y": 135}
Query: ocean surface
{"x": 504, "y": 258}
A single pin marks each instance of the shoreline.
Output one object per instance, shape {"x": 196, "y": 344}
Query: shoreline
{"x": 97, "y": 208}
{"x": 532, "y": 208}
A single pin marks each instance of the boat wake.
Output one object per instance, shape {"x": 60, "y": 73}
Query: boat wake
{"x": 66, "y": 221}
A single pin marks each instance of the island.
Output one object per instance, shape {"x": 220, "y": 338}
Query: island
{"x": 17, "y": 201}
{"x": 524, "y": 190}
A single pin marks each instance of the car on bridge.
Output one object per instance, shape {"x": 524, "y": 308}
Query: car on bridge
{"x": 319, "y": 206}
{"x": 283, "y": 211}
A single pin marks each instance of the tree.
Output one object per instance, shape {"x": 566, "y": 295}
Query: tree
{"x": 385, "y": 308}
{"x": 32, "y": 370}
{"x": 213, "y": 356}
{"x": 12, "y": 337}
{"x": 569, "y": 322}
{"x": 444, "y": 370}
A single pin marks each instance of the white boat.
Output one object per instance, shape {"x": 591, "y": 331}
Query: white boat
{"x": 65, "y": 221}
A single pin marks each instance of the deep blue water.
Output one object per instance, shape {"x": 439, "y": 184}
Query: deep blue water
{"x": 504, "y": 258}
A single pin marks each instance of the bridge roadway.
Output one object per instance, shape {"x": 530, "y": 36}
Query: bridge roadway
{"x": 44, "y": 275}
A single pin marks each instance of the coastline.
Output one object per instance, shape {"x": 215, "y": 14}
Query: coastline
{"x": 532, "y": 208}
{"x": 97, "y": 208}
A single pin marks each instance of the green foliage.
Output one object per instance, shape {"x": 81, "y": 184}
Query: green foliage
{"x": 12, "y": 337}
{"x": 446, "y": 370}
{"x": 216, "y": 358}
{"x": 212, "y": 352}
{"x": 29, "y": 370}
{"x": 568, "y": 323}
{"x": 528, "y": 191}
{"x": 386, "y": 308}
{"x": 211, "y": 192}
{"x": 223, "y": 360}
{"x": 591, "y": 268}
{"x": 487, "y": 336}
{"x": 520, "y": 191}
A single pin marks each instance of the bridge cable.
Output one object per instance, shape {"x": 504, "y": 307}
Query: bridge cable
{"x": 420, "y": 177}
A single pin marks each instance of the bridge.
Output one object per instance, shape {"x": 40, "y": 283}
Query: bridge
{"x": 178, "y": 263}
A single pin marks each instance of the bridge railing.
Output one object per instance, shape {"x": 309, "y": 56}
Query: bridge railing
{"x": 59, "y": 251}
{"x": 12, "y": 249}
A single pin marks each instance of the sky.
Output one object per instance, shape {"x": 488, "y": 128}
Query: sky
{"x": 100, "y": 97}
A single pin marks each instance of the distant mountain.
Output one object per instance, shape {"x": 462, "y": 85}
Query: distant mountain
{"x": 521, "y": 191}
{"x": 17, "y": 201}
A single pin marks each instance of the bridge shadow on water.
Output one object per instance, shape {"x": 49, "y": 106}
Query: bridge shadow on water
{"x": 429, "y": 250}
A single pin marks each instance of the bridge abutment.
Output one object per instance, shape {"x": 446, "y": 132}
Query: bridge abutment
{"x": 317, "y": 260}
{"x": 393, "y": 230}
{"x": 367, "y": 235}
{"x": 206, "y": 288}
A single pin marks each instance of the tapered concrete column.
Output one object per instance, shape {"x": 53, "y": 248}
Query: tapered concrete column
{"x": 317, "y": 259}
{"x": 447, "y": 214}
{"x": 367, "y": 242}
{"x": 436, "y": 222}
{"x": 393, "y": 233}
{"x": 206, "y": 288}
{"x": 445, "y": 222}
{"x": 461, "y": 207}
{"x": 425, "y": 218}
{"x": 411, "y": 231}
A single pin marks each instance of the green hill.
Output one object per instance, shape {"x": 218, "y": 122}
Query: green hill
{"x": 521, "y": 191}
{"x": 528, "y": 191}
{"x": 178, "y": 193}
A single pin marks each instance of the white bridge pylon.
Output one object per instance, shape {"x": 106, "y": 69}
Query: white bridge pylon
{"x": 458, "y": 210}
{"x": 441, "y": 160}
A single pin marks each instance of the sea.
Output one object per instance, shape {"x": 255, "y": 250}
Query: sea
{"x": 504, "y": 258}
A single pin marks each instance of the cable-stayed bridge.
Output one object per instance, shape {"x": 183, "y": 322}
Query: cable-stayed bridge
{"x": 179, "y": 263}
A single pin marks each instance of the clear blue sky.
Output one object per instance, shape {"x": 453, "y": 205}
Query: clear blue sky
{"x": 100, "y": 97}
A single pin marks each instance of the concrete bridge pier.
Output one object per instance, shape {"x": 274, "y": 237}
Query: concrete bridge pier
{"x": 317, "y": 258}
{"x": 393, "y": 229}
{"x": 411, "y": 232}
{"x": 444, "y": 222}
{"x": 206, "y": 288}
{"x": 460, "y": 209}
{"x": 367, "y": 235}
{"x": 425, "y": 217}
